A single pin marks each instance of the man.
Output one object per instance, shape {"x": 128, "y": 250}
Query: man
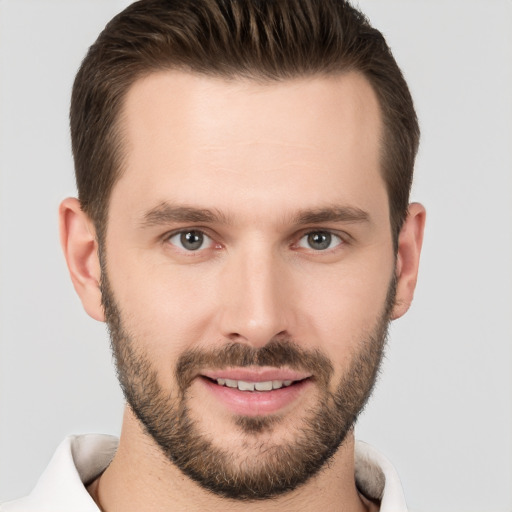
{"x": 243, "y": 227}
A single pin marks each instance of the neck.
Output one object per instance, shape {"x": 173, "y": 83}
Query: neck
{"x": 140, "y": 478}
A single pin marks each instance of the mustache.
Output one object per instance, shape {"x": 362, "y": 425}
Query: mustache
{"x": 277, "y": 353}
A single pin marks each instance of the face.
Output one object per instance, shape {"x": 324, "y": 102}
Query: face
{"x": 248, "y": 272}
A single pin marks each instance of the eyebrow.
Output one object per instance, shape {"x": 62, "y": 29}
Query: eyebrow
{"x": 166, "y": 213}
{"x": 332, "y": 214}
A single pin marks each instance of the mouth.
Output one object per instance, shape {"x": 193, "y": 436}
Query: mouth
{"x": 242, "y": 385}
{"x": 258, "y": 392}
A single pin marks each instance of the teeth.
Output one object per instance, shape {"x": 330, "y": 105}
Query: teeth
{"x": 263, "y": 386}
{"x": 245, "y": 386}
{"x": 254, "y": 386}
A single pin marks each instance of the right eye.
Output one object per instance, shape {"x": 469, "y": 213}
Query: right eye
{"x": 191, "y": 240}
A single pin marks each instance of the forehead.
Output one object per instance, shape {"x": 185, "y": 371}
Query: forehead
{"x": 190, "y": 136}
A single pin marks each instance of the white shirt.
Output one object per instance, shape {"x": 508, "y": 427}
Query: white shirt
{"x": 80, "y": 459}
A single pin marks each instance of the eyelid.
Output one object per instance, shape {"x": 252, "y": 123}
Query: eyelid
{"x": 344, "y": 238}
{"x": 209, "y": 239}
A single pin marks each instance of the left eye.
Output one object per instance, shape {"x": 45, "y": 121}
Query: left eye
{"x": 319, "y": 240}
{"x": 191, "y": 240}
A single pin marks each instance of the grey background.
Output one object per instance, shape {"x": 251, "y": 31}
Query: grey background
{"x": 442, "y": 411}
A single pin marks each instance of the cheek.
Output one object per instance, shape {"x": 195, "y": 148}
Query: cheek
{"x": 167, "y": 310}
{"x": 343, "y": 309}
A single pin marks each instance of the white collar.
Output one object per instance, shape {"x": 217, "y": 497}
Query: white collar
{"x": 80, "y": 459}
{"x": 377, "y": 479}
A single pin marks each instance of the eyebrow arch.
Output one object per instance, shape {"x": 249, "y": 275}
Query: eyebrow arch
{"x": 332, "y": 214}
{"x": 166, "y": 213}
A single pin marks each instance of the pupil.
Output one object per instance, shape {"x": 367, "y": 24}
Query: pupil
{"x": 319, "y": 240}
{"x": 192, "y": 240}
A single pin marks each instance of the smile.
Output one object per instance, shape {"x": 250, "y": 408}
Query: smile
{"x": 249, "y": 392}
{"x": 242, "y": 385}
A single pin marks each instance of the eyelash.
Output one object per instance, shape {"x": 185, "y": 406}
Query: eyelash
{"x": 185, "y": 232}
{"x": 324, "y": 232}
{"x": 341, "y": 240}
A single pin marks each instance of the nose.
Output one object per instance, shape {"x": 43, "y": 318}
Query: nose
{"x": 255, "y": 304}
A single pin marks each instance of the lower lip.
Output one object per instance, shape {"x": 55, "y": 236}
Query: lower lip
{"x": 256, "y": 403}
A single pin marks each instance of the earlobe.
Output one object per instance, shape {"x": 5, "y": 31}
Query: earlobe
{"x": 408, "y": 258}
{"x": 80, "y": 247}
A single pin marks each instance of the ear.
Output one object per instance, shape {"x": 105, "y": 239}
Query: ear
{"x": 78, "y": 241}
{"x": 408, "y": 258}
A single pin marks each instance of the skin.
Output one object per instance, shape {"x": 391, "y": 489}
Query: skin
{"x": 259, "y": 155}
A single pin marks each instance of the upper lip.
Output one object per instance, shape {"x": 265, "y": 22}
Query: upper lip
{"x": 256, "y": 374}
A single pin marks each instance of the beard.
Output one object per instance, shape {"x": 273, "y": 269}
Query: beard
{"x": 270, "y": 468}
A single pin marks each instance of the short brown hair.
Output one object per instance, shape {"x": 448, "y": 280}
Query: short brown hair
{"x": 259, "y": 39}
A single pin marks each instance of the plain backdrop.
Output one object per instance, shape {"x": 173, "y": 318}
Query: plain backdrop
{"x": 442, "y": 411}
